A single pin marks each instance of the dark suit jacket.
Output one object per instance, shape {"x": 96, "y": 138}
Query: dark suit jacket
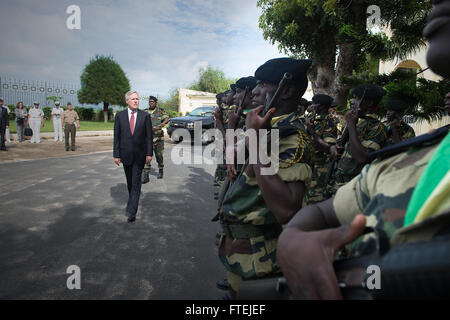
{"x": 4, "y": 119}
{"x": 133, "y": 148}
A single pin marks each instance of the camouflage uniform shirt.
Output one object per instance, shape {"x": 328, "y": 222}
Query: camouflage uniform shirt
{"x": 158, "y": 115}
{"x": 382, "y": 192}
{"x": 373, "y": 136}
{"x": 325, "y": 128}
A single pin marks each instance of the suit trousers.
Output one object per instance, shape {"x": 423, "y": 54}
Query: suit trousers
{"x": 134, "y": 182}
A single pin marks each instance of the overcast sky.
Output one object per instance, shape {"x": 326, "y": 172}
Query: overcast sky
{"x": 160, "y": 44}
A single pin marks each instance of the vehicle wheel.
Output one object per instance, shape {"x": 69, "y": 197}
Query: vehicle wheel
{"x": 176, "y": 139}
{"x": 205, "y": 137}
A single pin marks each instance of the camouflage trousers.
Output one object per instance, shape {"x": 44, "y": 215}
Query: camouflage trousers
{"x": 158, "y": 149}
{"x": 318, "y": 191}
{"x": 251, "y": 259}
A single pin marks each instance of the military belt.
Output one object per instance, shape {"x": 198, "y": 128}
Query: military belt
{"x": 247, "y": 231}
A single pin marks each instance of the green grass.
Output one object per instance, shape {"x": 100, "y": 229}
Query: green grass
{"x": 84, "y": 126}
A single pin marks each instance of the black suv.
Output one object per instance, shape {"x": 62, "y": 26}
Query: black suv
{"x": 203, "y": 114}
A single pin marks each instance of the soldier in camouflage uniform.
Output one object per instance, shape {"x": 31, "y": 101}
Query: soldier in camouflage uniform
{"x": 323, "y": 131}
{"x": 383, "y": 193}
{"x": 405, "y": 195}
{"x": 221, "y": 173}
{"x": 302, "y": 106}
{"x": 159, "y": 120}
{"x": 398, "y": 130}
{"x": 221, "y": 123}
{"x": 255, "y": 206}
{"x": 364, "y": 136}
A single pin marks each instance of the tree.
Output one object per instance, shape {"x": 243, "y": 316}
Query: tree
{"x": 211, "y": 80}
{"x": 103, "y": 80}
{"x": 334, "y": 34}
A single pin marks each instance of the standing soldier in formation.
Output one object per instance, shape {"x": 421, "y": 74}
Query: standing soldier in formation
{"x": 35, "y": 121}
{"x": 398, "y": 130}
{"x": 323, "y": 131}
{"x": 221, "y": 171}
{"x": 57, "y": 124}
{"x": 159, "y": 120}
{"x": 257, "y": 205}
{"x": 360, "y": 137}
{"x": 68, "y": 120}
{"x": 302, "y": 106}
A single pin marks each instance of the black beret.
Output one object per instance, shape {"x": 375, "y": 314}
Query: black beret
{"x": 233, "y": 87}
{"x": 304, "y": 102}
{"x": 369, "y": 91}
{"x": 249, "y": 82}
{"x": 219, "y": 96}
{"x": 323, "y": 99}
{"x": 153, "y": 98}
{"x": 273, "y": 70}
{"x": 397, "y": 105}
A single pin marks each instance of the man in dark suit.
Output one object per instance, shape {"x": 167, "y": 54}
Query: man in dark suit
{"x": 133, "y": 146}
{"x": 4, "y": 124}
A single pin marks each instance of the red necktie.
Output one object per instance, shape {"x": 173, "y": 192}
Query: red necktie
{"x": 132, "y": 122}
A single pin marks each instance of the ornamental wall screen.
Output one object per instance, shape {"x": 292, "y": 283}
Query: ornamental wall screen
{"x": 28, "y": 91}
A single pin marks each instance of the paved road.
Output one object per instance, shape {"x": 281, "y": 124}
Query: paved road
{"x": 60, "y": 212}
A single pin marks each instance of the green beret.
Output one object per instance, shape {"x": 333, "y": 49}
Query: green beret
{"x": 323, "y": 99}
{"x": 273, "y": 71}
{"x": 369, "y": 91}
{"x": 249, "y": 82}
{"x": 397, "y": 105}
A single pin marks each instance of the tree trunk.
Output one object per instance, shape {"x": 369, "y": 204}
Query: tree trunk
{"x": 105, "y": 111}
{"x": 344, "y": 67}
{"x": 322, "y": 78}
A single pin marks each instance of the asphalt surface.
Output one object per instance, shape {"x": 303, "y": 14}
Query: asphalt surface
{"x": 55, "y": 213}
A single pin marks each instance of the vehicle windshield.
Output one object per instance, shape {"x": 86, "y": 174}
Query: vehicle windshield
{"x": 202, "y": 112}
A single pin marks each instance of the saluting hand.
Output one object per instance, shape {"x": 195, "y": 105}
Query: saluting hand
{"x": 254, "y": 120}
{"x": 351, "y": 118}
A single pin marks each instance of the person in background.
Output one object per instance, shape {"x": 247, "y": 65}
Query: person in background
{"x": 68, "y": 120}
{"x": 4, "y": 123}
{"x": 35, "y": 121}
{"x": 398, "y": 130}
{"x": 21, "y": 115}
{"x": 57, "y": 124}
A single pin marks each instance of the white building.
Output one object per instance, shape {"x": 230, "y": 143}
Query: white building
{"x": 188, "y": 100}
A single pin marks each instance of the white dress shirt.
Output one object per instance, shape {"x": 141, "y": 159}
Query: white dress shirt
{"x": 135, "y": 115}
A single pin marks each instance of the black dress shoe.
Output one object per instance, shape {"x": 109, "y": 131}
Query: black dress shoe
{"x": 131, "y": 219}
{"x": 223, "y": 285}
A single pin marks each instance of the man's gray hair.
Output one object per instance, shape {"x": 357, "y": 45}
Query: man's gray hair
{"x": 129, "y": 93}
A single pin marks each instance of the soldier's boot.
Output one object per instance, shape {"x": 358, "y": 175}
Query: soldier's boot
{"x": 145, "y": 177}
{"x": 161, "y": 173}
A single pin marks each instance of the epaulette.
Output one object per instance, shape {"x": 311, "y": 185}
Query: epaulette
{"x": 427, "y": 139}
